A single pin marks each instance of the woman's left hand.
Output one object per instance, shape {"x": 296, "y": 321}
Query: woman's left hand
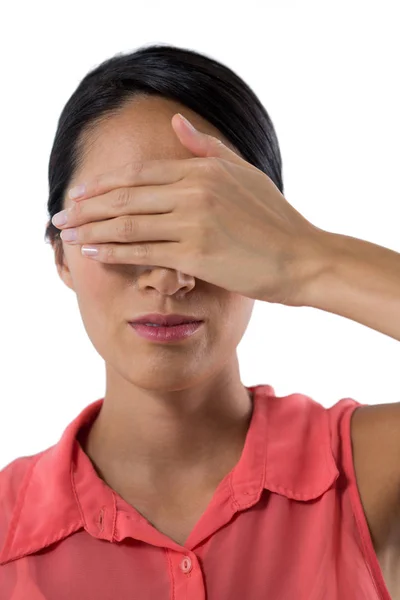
{"x": 222, "y": 220}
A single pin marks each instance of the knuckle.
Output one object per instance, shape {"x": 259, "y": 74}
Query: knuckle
{"x": 125, "y": 227}
{"x": 213, "y": 165}
{"x": 216, "y": 162}
{"x": 109, "y": 253}
{"x": 203, "y": 166}
{"x": 203, "y": 163}
{"x": 142, "y": 251}
{"x": 96, "y": 185}
{"x": 205, "y": 196}
{"x": 190, "y": 199}
{"x": 195, "y": 198}
{"x": 77, "y": 211}
{"x": 134, "y": 168}
{"x": 121, "y": 198}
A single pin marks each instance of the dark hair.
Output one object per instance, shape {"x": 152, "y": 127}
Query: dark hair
{"x": 199, "y": 82}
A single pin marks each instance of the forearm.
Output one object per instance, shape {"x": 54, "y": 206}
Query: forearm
{"x": 359, "y": 281}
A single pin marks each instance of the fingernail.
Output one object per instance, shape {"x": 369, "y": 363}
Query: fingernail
{"x": 188, "y": 123}
{"x": 77, "y": 191}
{"x": 69, "y": 235}
{"x": 60, "y": 218}
{"x": 90, "y": 251}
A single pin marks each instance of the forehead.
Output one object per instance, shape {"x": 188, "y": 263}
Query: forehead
{"x": 141, "y": 131}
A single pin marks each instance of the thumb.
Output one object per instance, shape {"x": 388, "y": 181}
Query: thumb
{"x": 202, "y": 144}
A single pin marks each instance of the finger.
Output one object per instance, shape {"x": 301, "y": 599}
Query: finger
{"x": 204, "y": 144}
{"x": 122, "y": 201}
{"x": 151, "y": 172}
{"x": 129, "y": 229}
{"x": 162, "y": 254}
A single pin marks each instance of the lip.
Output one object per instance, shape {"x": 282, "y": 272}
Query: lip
{"x": 166, "y": 320}
{"x": 167, "y": 334}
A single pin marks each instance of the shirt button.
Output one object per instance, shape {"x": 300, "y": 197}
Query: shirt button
{"x": 186, "y": 565}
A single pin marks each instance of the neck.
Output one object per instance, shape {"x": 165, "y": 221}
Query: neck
{"x": 162, "y": 435}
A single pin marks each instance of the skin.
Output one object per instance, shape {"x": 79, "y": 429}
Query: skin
{"x": 173, "y": 415}
{"x": 376, "y": 451}
{"x": 177, "y": 415}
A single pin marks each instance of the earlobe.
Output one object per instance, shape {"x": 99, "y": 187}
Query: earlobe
{"x": 65, "y": 276}
{"x": 62, "y": 265}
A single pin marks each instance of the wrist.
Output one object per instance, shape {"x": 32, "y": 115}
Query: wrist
{"x": 317, "y": 266}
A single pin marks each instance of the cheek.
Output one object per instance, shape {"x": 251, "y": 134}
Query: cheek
{"x": 240, "y": 314}
{"x": 91, "y": 277}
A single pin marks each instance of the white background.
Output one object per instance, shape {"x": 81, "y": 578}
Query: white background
{"x": 327, "y": 73}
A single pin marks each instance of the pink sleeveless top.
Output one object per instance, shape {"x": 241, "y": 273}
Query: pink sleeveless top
{"x": 286, "y": 522}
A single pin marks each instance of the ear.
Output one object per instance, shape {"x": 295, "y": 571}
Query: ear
{"x": 61, "y": 262}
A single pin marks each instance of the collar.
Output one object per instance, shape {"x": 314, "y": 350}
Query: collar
{"x": 287, "y": 451}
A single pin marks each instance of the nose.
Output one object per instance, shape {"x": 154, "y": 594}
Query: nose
{"x": 166, "y": 281}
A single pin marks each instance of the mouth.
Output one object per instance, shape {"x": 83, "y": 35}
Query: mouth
{"x": 165, "y": 326}
{"x": 166, "y": 333}
{"x": 164, "y": 320}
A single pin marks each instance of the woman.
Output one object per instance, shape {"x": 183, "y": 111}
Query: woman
{"x": 181, "y": 482}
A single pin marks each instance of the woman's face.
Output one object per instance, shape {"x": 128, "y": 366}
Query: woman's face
{"x": 110, "y": 295}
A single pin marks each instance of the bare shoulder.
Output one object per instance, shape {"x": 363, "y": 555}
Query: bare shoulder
{"x": 375, "y": 436}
